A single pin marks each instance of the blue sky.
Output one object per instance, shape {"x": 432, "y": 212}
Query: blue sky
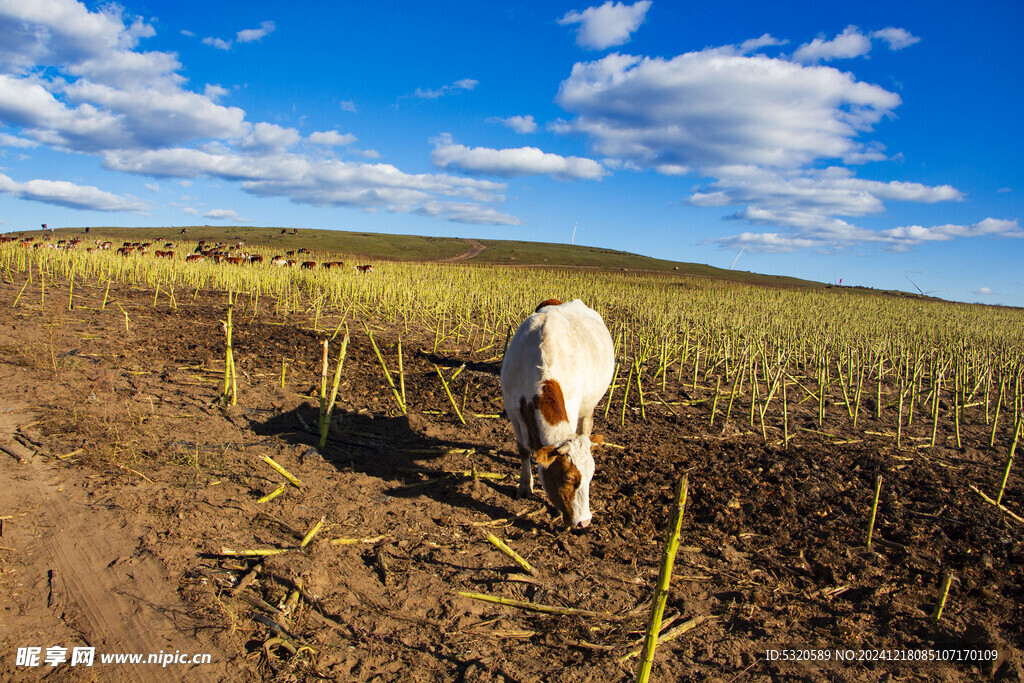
{"x": 872, "y": 141}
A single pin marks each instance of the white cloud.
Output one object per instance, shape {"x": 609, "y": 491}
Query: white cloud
{"x": 8, "y": 140}
{"x": 608, "y": 25}
{"x": 841, "y": 235}
{"x": 189, "y": 210}
{"x": 461, "y": 84}
{"x": 768, "y": 242}
{"x": 348, "y": 105}
{"x": 153, "y": 187}
{"x": 465, "y": 212}
{"x": 225, "y": 215}
{"x": 520, "y": 124}
{"x": 214, "y": 92}
{"x": 331, "y": 138}
{"x": 848, "y": 44}
{"x": 755, "y": 44}
{"x": 809, "y": 197}
{"x": 983, "y": 291}
{"x": 254, "y": 34}
{"x": 513, "y": 162}
{"x": 218, "y": 43}
{"x": 74, "y": 80}
{"x": 990, "y": 227}
{"x": 63, "y": 31}
{"x": 327, "y": 182}
{"x": 897, "y": 38}
{"x": 64, "y": 193}
{"x": 265, "y": 138}
{"x": 182, "y": 162}
{"x": 718, "y": 107}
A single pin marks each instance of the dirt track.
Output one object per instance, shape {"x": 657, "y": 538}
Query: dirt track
{"x": 135, "y": 481}
{"x": 476, "y": 247}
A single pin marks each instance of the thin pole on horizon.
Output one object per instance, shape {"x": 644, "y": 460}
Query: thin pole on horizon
{"x": 737, "y": 258}
{"x": 573, "y": 240}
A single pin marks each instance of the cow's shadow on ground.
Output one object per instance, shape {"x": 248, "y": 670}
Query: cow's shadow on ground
{"x": 407, "y": 451}
{"x": 488, "y": 367}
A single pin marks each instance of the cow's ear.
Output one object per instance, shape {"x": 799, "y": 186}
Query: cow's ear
{"x": 545, "y": 456}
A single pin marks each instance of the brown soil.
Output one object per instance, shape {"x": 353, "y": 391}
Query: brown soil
{"x": 124, "y": 481}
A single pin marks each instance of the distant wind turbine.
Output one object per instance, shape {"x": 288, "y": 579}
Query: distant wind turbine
{"x": 924, "y": 293}
{"x": 737, "y": 258}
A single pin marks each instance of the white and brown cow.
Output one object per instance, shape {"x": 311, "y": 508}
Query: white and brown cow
{"x": 557, "y": 368}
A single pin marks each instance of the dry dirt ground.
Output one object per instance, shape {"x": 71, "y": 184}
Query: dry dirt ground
{"x": 123, "y": 482}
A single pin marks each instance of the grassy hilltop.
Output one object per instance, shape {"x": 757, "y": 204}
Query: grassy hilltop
{"x": 383, "y": 247}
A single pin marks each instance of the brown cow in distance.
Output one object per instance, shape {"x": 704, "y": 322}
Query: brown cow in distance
{"x": 309, "y": 265}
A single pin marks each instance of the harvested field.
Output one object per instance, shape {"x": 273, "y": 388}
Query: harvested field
{"x": 130, "y": 493}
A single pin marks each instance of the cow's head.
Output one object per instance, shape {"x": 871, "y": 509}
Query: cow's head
{"x": 565, "y": 473}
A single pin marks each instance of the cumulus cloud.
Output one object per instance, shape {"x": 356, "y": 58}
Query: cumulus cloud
{"x": 63, "y": 31}
{"x": 896, "y": 38}
{"x": 70, "y": 195}
{"x": 840, "y": 235}
{"x": 983, "y": 291}
{"x": 717, "y": 107}
{"x": 520, "y": 124}
{"x": 812, "y": 197}
{"x": 331, "y": 138}
{"x": 225, "y": 215}
{"x": 462, "y": 84}
{"x": 755, "y": 44}
{"x": 990, "y": 227}
{"x": 513, "y": 162}
{"x": 467, "y": 212}
{"x": 8, "y": 140}
{"x": 74, "y": 80}
{"x": 766, "y": 136}
{"x": 848, "y": 44}
{"x": 250, "y": 35}
{"x": 264, "y": 138}
{"x": 218, "y": 43}
{"x": 607, "y": 25}
{"x": 348, "y": 105}
{"x": 326, "y": 182}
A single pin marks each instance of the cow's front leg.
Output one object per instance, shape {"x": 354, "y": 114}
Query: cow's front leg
{"x": 586, "y": 425}
{"x": 526, "y": 473}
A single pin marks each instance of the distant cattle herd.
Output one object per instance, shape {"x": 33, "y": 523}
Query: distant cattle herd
{"x": 219, "y": 252}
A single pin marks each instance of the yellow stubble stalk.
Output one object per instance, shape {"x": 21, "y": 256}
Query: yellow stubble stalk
{"x": 664, "y": 581}
{"x": 327, "y": 403}
{"x": 451, "y": 398}
{"x": 387, "y": 375}
{"x": 229, "y": 395}
{"x": 625, "y": 396}
{"x": 1009, "y": 461}
{"x": 874, "y": 509}
{"x": 18, "y": 298}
